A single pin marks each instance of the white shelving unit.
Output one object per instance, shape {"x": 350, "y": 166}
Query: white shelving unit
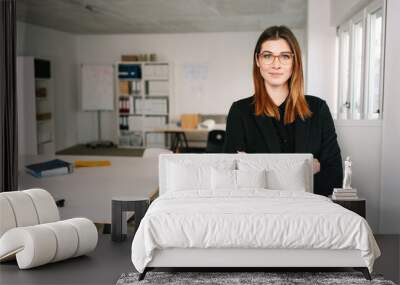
{"x": 142, "y": 103}
{"x": 35, "y": 106}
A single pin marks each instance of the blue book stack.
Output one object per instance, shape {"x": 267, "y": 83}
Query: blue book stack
{"x": 50, "y": 168}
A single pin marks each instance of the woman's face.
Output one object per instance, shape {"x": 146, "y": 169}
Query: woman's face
{"x": 275, "y": 61}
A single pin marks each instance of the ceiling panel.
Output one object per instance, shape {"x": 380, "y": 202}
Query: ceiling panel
{"x": 161, "y": 16}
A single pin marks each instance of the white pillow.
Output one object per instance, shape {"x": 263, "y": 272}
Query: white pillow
{"x": 293, "y": 179}
{"x": 281, "y": 174}
{"x": 182, "y": 177}
{"x": 223, "y": 179}
{"x": 237, "y": 179}
{"x": 185, "y": 175}
{"x": 251, "y": 178}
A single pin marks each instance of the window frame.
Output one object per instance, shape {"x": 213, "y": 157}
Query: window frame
{"x": 370, "y": 9}
{"x": 358, "y": 18}
{"x": 343, "y": 100}
{"x": 363, "y": 16}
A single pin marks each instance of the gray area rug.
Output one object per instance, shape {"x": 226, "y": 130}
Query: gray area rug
{"x": 230, "y": 278}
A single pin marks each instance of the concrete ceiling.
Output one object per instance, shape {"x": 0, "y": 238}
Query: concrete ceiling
{"x": 161, "y": 16}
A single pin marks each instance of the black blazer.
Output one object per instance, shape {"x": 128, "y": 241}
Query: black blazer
{"x": 256, "y": 134}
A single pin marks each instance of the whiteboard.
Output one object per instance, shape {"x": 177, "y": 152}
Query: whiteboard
{"x": 97, "y": 87}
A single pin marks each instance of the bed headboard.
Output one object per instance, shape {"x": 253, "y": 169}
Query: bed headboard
{"x": 279, "y": 162}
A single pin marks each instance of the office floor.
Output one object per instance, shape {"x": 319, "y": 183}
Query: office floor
{"x": 82, "y": 149}
{"x": 110, "y": 260}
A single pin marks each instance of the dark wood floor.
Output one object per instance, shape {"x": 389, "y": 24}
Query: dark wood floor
{"x": 110, "y": 260}
{"x": 82, "y": 149}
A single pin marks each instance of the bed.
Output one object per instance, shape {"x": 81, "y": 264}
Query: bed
{"x": 246, "y": 211}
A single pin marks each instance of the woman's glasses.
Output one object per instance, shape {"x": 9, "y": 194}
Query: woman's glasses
{"x": 284, "y": 58}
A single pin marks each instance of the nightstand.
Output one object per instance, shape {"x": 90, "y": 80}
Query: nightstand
{"x": 357, "y": 206}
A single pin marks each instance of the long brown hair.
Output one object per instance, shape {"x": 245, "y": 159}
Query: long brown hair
{"x": 296, "y": 103}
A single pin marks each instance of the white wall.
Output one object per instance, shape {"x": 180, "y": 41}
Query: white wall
{"x": 60, "y": 48}
{"x": 389, "y": 154}
{"x": 226, "y": 56}
{"x": 342, "y": 10}
{"x": 361, "y": 140}
{"x": 390, "y": 193}
{"x": 321, "y": 40}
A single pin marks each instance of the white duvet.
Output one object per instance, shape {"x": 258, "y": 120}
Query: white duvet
{"x": 252, "y": 218}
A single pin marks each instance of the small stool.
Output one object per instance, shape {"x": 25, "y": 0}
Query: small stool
{"x": 119, "y": 206}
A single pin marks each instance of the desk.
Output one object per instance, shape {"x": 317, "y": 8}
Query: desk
{"x": 88, "y": 191}
{"x": 178, "y": 134}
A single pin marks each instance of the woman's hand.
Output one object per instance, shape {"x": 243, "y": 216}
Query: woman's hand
{"x": 316, "y": 166}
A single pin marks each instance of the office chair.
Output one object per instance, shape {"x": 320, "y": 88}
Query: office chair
{"x": 215, "y": 141}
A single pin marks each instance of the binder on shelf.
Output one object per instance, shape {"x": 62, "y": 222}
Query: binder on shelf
{"x": 135, "y": 88}
{"x": 143, "y": 104}
{"x": 129, "y": 71}
{"x": 50, "y": 168}
{"x": 124, "y": 105}
{"x": 123, "y": 123}
{"x": 139, "y": 106}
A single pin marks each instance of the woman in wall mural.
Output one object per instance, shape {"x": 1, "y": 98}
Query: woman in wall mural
{"x": 279, "y": 118}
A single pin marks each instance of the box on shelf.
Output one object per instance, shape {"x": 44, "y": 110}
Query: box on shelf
{"x": 190, "y": 121}
{"x": 129, "y": 57}
{"x": 42, "y": 68}
{"x": 124, "y": 87}
{"x": 41, "y": 92}
{"x": 129, "y": 71}
{"x": 43, "y": 116}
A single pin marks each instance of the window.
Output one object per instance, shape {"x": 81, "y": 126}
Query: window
{"x": 360, "y": 58}
{"x": 375, "y": 68}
